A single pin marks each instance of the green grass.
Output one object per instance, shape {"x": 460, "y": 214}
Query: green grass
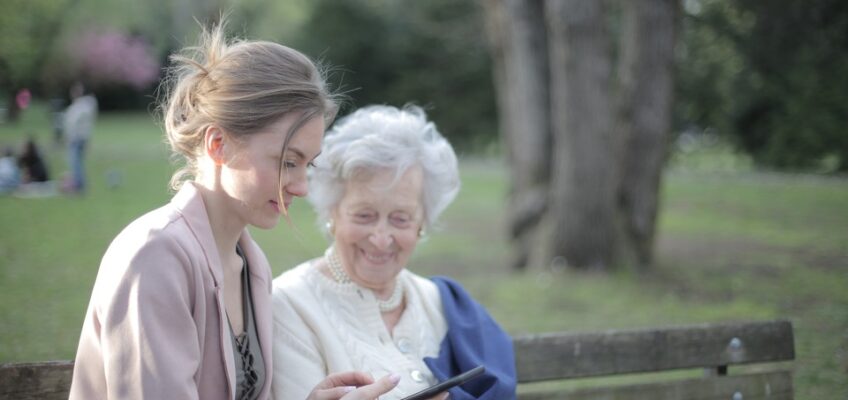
{"x": 732, "y": 245}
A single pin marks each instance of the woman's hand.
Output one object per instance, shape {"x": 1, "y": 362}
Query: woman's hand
{"x": 353, "y": 386}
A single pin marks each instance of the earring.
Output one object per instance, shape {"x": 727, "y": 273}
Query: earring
{"x": 422, "y": 232}
{"x": 330, "y": 226}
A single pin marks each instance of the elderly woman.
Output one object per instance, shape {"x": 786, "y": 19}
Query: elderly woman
{"x": 383, "y": 178}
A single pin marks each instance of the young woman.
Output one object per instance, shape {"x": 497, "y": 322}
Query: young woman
{"x": 181, "y": 304}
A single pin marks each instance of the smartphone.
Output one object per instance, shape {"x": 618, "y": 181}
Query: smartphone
{"x": 443, "y": 386}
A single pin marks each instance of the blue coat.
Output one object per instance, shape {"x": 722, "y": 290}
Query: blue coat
{"x": 473, "y": 339}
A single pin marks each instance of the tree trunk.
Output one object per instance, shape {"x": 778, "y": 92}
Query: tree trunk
{"x": 644, "y": 125}
{"x": 601, "y": 159}
{"x": 585, "y": 175}
{"x": 519, "y": 50}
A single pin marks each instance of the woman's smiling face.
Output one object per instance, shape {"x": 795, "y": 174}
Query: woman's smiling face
{"x": 376, "y": 225}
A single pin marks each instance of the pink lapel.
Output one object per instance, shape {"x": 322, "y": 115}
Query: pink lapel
{"x": 190, "y": 204}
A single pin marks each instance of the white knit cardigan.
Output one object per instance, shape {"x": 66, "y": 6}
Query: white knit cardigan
{"x": 322, "y": 327}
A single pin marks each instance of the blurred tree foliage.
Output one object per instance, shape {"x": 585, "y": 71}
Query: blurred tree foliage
{"x": 25, "y": 37}
{"x": 772, "y": 75}
{"x": 431, "y": 53}
{"x": 29, "y": 30}
{"x": 40, "y": 40}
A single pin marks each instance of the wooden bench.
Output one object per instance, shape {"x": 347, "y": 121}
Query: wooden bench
{"x": 562, "y": 356}
{"x": 712, "y": 347}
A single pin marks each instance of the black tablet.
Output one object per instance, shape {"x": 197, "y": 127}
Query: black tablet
{"x": 443, "y": 386}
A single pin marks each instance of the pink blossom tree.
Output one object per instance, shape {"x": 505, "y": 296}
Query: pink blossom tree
{"x": 115, "y": 58}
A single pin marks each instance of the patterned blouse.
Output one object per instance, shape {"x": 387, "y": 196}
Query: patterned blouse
{"x": 250, "y": 366}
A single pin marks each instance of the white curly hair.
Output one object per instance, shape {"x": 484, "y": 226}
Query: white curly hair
{"x": 384, "y": 137}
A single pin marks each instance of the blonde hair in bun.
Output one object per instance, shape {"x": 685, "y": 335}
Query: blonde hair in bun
{"x": 241, "y": 86}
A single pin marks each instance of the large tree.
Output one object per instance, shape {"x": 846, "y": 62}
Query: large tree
{"x": 520, "y": 50}
{"x": 646, "y": 92}
{"x": 608, "y": 122}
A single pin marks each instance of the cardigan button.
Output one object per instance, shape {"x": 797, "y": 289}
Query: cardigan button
{"x": 404, "y": 345}
{"x": 417, "y": 376}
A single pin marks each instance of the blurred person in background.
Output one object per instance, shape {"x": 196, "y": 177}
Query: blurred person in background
{"x": 181, "y": 306}
{"x": 32, "y": 164}
{"x": 10, "y": 174}
{"x": 78, "y": 124}
{"x": 383, "y": 178}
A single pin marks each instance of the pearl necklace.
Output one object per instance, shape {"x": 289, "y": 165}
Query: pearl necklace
{"x": 340, "y": 276}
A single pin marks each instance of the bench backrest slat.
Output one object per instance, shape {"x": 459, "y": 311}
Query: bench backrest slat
{"x": 47, "y": 380}
{"x": 772, "y": 386}
{"x": 576, "y": 355}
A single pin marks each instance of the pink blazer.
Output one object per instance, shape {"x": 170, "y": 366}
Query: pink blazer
{"x": 156, "y": 325}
